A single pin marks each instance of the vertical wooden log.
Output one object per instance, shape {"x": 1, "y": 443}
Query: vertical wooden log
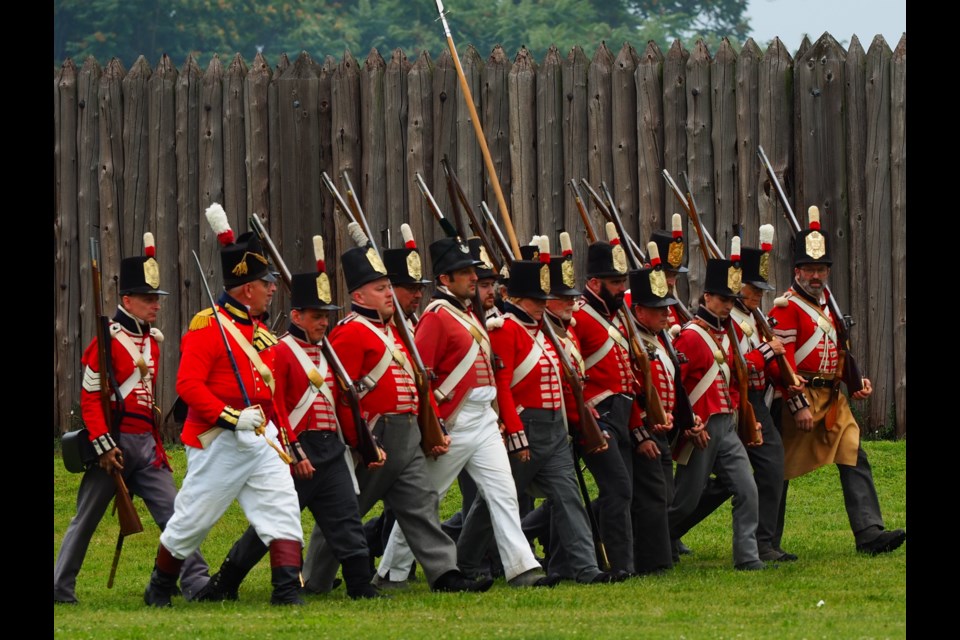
{"x": 855, "y": 111}
{"x": 235, "y": 146}
{"x": 776, "y": 138}
{"x": 66, "y": 280}
{"x": 161, "y": 219}
{"x": 111, "y": 175}
{"x": 88, "y": 196}
{"x": 675, "y": 150}
{"x": 420, "y": 149}
{"x": 211, "y": 171}
{"x": 468, "y": 163}
{"x": 879, "y": 227}
{"x": 496, "y": 126}
{"x": 136, "y": 150}
{"x": 523, "y": 145}
{"x": 446, "y": 89}
{"x": 575, "y": 150}
{"x": 820, "y": 89}
{"x": 623, "y": 130}
{"x": 550, "y": 184}
{"x": 654, "y": 201}
{"x": 599, "y": 129}
{"x": 189, "y": 210}
{"x": 723, "y": 134}
{"x": 256, "y": 88}
{"x": 799, "y": 140}
{"x": 371, "y": 179}
{"x": 298, "y": 103}
{"x": 274, "y": 220}
{"x": 700, "y": 160}
{"x": 396, "y": 109}
{"x": 329, "y": 216}
{"x": 748, "y": 136}
{"x": 345, "y": 132}
{"x": 898, "y": 210}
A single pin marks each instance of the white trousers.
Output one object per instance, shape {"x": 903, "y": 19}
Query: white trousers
{"x": 475, "y": 445}
{"x": 237, "y": 465}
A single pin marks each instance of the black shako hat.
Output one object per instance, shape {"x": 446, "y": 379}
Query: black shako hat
{"x": 607, "y": 259}
{"x": 810, "y": 246}
{"x": 361, "y": 264}
{"x": 756, "y": 262}
{"x": 404, "y": 265}
{"x": 451, "y": 254}
{"x": 141, "y": 274}
{"x": 530, "y": 279}
{"x": 563, "y": 279}
{"x": 311, "y": 290}
{"x": 479, "y": 253}
{"x": 648, "y": 286}
{"x": 725, "y": 277}
{"x": 243, "y": 259}
{"x": 671, "y": 245}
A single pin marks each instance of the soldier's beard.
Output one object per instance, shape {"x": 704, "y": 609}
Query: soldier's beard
{"x": 613, "y": 301}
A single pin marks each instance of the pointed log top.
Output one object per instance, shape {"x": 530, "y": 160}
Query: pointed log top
{"x": 374, "y": 60}
{"x": 576, "y": 55}
{"x": 114, "y": 70}
{"x": 750, "y": 49}
{"x": 215, "y": 68}
{"x": 879, "y": 44}
{"x": 165, "y": 66}
{"x": 140, "y": 69}
{"x": 347, "y": 61}
{"x": 677, "y": 51}
{"x": 190, "y": 66}
{"x": 651, "y": 53}
{"x": 725, "y": 52}
{"x": 603, "y": 55}
{"x": 498, "y": 55}
{"x": 627, "y": 57}
{"x": 700, "y": 52}
{"x": 282, "y": 64}
{"x": 855, "y": 49}
{"x": 398, "y": 58}
{"x": 523, "y": 58}
{"x": 827, "y": 43}
{"x": 423, "y": 62}
{"x": 260, "y": 67}
{"x": 778, "y": 51}
{"x": 445, "y": 60}
{"x": 553, "y": 57}
{"x": 238, "y": 66}
{"x": 471, "y": 56}
{"x": 901, "y": 51}
{"x": 90, "y": 65}
{"x": 804, "y": 45}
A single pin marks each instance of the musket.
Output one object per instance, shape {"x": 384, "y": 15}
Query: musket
{"x": 851, "y": 371}
{"x": 431, "y": 431}
{"x": 454, "y": 185}
{"x": 495, "y": 229}
{"x": 638, "y": 352}
{"x": 261, "y": 431}
{"x": 127, "y": 515}
{"x": 604, "y": 210}
{"x": 366, "y": 442}
{"x": 452, "y": 194}
{"x": 749, "y": 434}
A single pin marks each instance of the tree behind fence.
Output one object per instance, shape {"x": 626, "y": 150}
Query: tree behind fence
{"x": 149, "y": 149}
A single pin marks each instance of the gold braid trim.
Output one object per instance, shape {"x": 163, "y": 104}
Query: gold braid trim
{"x": 202, "y": 320}
{"x": 241, "y": 268}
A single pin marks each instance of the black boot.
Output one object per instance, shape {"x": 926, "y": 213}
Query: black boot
{"x": 163, "y": 580}
{"x": 285, "y": 561}
{"x": 242, "y": 557}
{"x": 357, "y": 576}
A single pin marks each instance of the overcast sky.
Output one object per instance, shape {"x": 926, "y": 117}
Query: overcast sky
{"x": 791, "y": 19}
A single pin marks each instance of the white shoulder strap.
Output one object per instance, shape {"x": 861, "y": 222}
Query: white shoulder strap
{"x": 248, "y": 350}
{"x": 142, "y": 359}
{"x": 614, "y": 336}
{"x": 824, "y": 329}
{"x": 715, "y": 368}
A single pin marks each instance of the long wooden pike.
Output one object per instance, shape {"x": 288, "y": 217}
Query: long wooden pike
{"x": 478, "y": 130}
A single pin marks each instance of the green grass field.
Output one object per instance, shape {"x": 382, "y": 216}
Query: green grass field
{"x": 831, "y": 592}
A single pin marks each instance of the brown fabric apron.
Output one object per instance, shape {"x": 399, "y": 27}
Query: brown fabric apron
{"x": 806, "y": 451}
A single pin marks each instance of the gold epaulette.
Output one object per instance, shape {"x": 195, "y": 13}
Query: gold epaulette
{"x": 202, "y": 320}
{"x": 263, "y": 338}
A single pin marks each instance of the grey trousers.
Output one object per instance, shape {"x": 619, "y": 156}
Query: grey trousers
{"x": 725, "y": 456}
{"x": 403, "y": 485}
{"x": 550, "y": 471}
{"x": 153, "y": 484}
{"x": 767, "y": 462}
{"x": 648, "y": 511}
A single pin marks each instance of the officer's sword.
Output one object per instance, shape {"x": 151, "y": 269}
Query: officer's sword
{"x": 261, "y": 430}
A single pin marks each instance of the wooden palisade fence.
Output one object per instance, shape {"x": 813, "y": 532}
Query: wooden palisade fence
{"x": 150, "y": 148}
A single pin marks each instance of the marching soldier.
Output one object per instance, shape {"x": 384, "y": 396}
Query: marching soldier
{"x": 454, "y": 344}
{"x": 138, "y": 454}
{"x": 611, "y": 389}
{"x": 715, "y": 446}
{"x": 323, "y": 468}
{"x": 374, "y": 356}
{"x": 767, "y": 458}
{"x": 530, "y": 393}
{"x": 226, "y": 380}
{"x": 405, "y": 270}
{"x": 818, "y": 426}
{"x": 652, "y": 481}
